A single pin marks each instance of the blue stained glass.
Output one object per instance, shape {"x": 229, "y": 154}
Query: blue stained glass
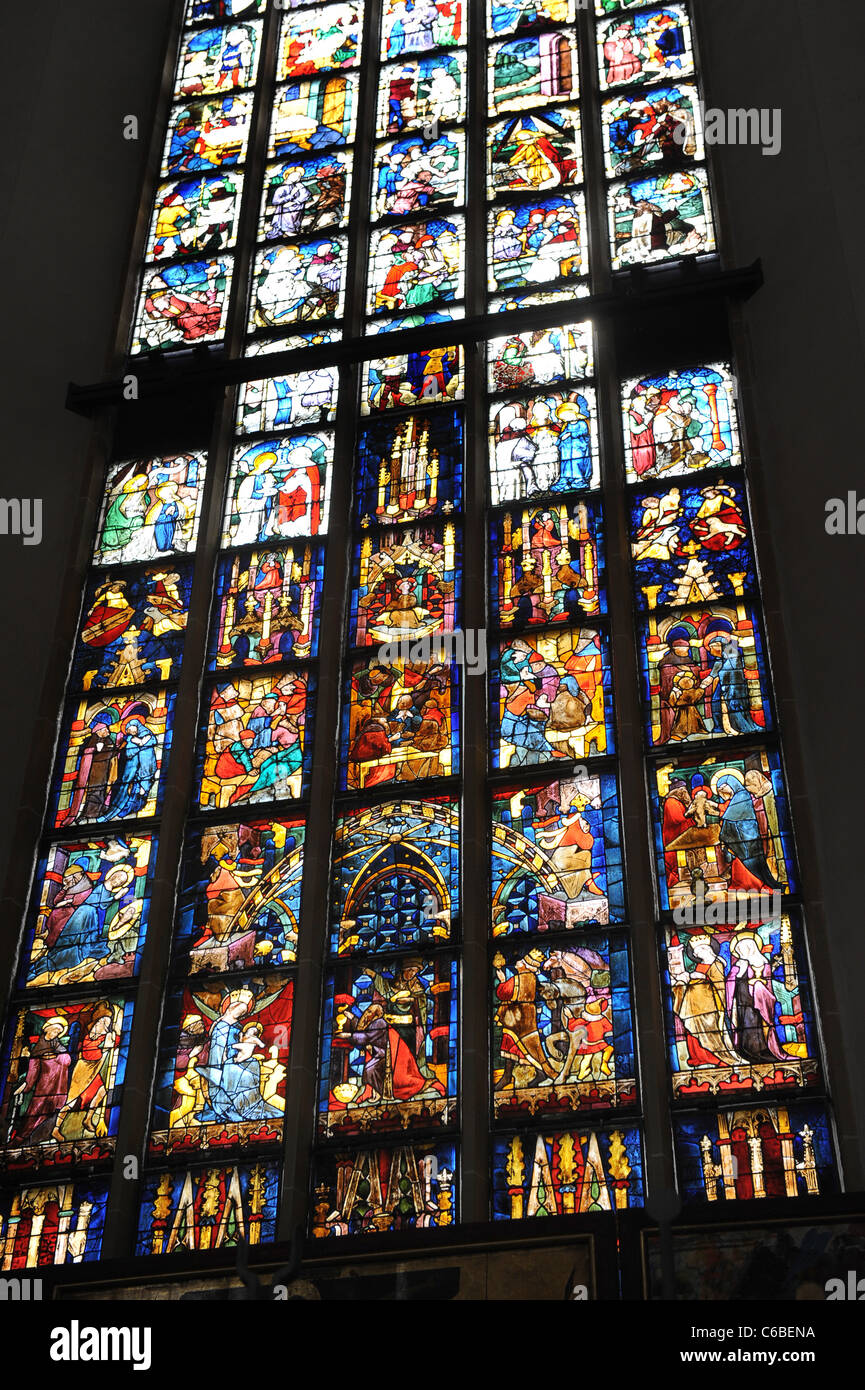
{"x": 535, "y": 151}
{"x": 295, "y": 283}
{"x": 279, "y": 489}
{"x": 557, "y": 856}
{"x": 400, "y": 1188}
{"x": 208, "y": 1209}
{"x": 415, "y": 173}
{"x": 240, "y": 901}
{"x": 691, "y": 544}
{"x": 547, "y": 565}
{"x": 389, "y": 1046}
{"x": 562, "y": 1029}
{"x": 551, "y": 698}
{"x": 90, "y": 912}
{"x": 256, "y": 740}
{"x": 321, "y": 40}
{"x": 538, "y": 242}
{"x": 704, "y": 675}
{"x": 660, "y": 126}
{"x": 569, "y": 1173}
{"x": 62, "y": 1082}
{"x": 409, "y": 469}
{"x": 195, "y": 216}
{"x": 303, "y": 196}
{"x": 400, "y": 719}
{"x": 417, "y": 266}
{"x": 49, "y": 1226}
{"x": 132, "y": 627}
{"x": 661, "y": 218}
{"x": 653, "y": 44}
{"x": 284, "y": 402}
{"x": 407, "y": 583}
{"x": 209, "y": 135}
{"x": 197, "y": 10}
{"x": 111, "y": 757}
{"x": 722, "y": 829}
{"x": 395, "y": 876}
{"x": 543, "y": 444}
{"x": 151, "y": 509}
{"x": 679, "y": 422}
{"x": 414, "y": 93}
{"x": 767, "y": 1152}
{"x": 738, "y": 1004}
{"x": 415, "y": 26}
{"x": 267, "y": 606}
{"x": 223, "y": 1062}
{"x": 428, "y": 376}
{"x": 216, "y": 60}
{"x": 312, "y": 116}
{"x": 182, "y": 303}
{"x": 507, "y": 16}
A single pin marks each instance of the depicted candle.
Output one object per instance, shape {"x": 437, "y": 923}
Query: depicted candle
{"x": 449, "y": 548}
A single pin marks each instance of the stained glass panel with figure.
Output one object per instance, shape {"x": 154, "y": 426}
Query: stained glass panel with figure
{"x": 285, "y": 402}
{"x": 660, "y": 218}
{"x": 651, "y": 45}
{"x": 298, "y": 283}
{"x": 255, "y": 743}
{"x": 543, "y": 444}
{"x": 704, "y": 675}
{"x": 419, "y": 91}
{"x": 400, "y": 722}
{"x": 663, "y": 125}
{"x": 267, "y": 606}
{"x": 133, "y": 626}
{"x": 547, "y": 565}
{"x": 195, "y": 216}
{"x": 205, "y": 136}
{"x": 279, "y": 488}
{"x": 217, "y": 60}
{"x": 557, "y": 856}
{"x": 428, "y": 376}
{"x": 321, "y": 40}
{"x": 111, "y": 757}
{"x": 52, "y": 1225}
{"x": 535, "y": 152}
{"x": 538, "y": 242}
{"x": 509, "y": 16}
{"x": 569, "y": 1173}
{"x": 302, "y": 197}
{"x": 416, "y": 26}
{"x": 415, "y": 267}
{"x": 93, "y": 904}
{"x": 62, "y": 1082}
{"x": 413, "y": 174}
{"x": 389, "y": 1046}
{"x": 151, "y": 509}
{"x": 240, "y": 900}
{"x": 551, "y": 698}
{"x": 678, "y": 422}
{"x": 540, "y": 357}
{"x": 562, "y": 1030}
{"x": 223, "y": 1060}
{"x": 738, "y": 1006}
{"x": 395, "y": 876}
{"x": 691, "y": 544}
{"x": 182, "y": 303}
{"x": 722, "y": 830}
{"x": 406, "y": 584}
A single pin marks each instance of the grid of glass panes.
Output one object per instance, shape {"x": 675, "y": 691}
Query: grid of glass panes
{"x": 658, "y": 194}
{"x": 69, "y": 1023}
{"x": 185, "y": 286}
{"x": 389, "y": 1029}
{"x": 736, "y": 992}
{"x": 299, "y": 273}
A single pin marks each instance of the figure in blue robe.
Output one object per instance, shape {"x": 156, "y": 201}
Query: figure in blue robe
{"x": 731, "y": 684}
{"x": 139, "y": 772}
{"x": 740, "y": 834}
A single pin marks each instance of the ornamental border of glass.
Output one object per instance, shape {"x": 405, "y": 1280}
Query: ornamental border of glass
{"x": 248, "y": 1193}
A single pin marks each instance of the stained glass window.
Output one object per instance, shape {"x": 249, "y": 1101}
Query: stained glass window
{"x": 271, "y": 645}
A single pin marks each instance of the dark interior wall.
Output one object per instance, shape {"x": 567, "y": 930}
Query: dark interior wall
{"x": 76, "y": 68}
